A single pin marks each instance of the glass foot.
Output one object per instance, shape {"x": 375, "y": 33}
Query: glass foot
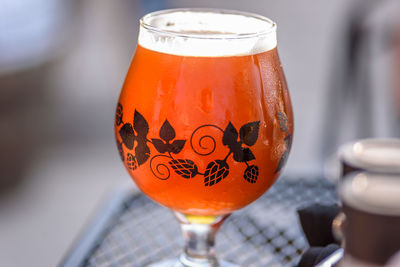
{"x": 177, "y": 263}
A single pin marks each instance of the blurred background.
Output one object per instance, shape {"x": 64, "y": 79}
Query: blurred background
{"x": 62, "y": 64}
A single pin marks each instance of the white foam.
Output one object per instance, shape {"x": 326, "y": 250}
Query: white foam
{"x": 207, "y": 33}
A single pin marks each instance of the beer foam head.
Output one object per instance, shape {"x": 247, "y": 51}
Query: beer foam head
{"x": 206, "y": 33}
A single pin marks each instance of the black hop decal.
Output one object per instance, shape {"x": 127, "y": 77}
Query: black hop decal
{"x": 184, "y": 167}
{"x": 127, "y": 135}
{"x": 167, "y": 134}
{"x": 131, "y": 162}
{"x": 249, "y": 132}
{"x": 142, "y": 152}
{"x": 129, "y": 138}
{"x": 243, "y": 154}
{"x": 251, "y": 174}
{"x": 133, "y": 138}
{"x": 118, "y": 115}
{"x": 248, "y": 136}
{"x": 288, "y": 141}
{"x": 283, "y": 122}
{"x": 215, "y": 172}
{"x": 282, "y": 161}
{"x": 120, "y": 150}
{"x": 140, "y": 125}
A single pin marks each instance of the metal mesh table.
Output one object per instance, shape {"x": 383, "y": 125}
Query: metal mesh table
{"x": 134, "y": 231}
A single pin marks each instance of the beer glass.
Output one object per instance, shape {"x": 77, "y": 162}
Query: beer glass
{"x": 204, "y": 121}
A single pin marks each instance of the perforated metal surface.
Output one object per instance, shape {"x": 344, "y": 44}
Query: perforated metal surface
{"x": 266, "y": 233}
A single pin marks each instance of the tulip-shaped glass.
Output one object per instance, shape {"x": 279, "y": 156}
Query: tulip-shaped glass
{"x": 204, "y": 121}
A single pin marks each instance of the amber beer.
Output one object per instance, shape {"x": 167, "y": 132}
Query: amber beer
{"x": 204, "y": 131}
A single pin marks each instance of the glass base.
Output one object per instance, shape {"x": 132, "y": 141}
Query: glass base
{"x": 199, "y": 235}
{"x": 177, "y": 263}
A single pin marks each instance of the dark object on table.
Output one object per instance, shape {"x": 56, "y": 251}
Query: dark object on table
{"x": 316, "y": 255}
{"x": 316, "y": 221}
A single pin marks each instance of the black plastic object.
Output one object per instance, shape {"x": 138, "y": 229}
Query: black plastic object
{"x": 316, "y": 221}
{"x": 316, "y": 255}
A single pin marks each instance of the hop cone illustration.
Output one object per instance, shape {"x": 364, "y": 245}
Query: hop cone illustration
{"x": 251, "y": 174}
{"x": 215, "y": 172}
{"x": 184, "y": 167}
{"x": 131, "y": 162}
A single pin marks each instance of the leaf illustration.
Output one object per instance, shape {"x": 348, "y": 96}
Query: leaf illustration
{"x": 230, "y": 139}
{"x": 249, "y": 133}
{"x": 248, "y": 155}
{"x": 142, "y": 152}
{"x": 230, "y": 135}
{"x": 140, "y": 125}
{"x": 251, "y": 174}
{"x": 215, "y": 172}
{"x": 184, "y": 167}
{"x": 160, "y": 145}
{"x": 167, "y": 133}
{"x": 127, "y": 135}
{"x": 282, "y": 161}
{"x": 177, "y": 146}
{"x": 243, "y": 154}
{"x": 283, "y": 121}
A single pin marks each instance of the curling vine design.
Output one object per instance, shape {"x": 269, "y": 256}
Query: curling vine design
{"x": 134, "y": 138}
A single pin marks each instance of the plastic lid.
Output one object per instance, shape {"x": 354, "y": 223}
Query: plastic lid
{"x": 378, "y": 155}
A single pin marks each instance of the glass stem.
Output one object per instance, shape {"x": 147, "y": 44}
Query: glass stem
{"x": 199, "y": 234}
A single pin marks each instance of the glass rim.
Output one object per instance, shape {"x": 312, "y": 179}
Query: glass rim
{"x": 226, "y": 36}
